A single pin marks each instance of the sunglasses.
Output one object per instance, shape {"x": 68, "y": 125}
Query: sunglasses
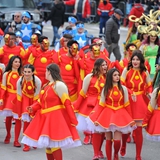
{"x": 16, "y": 16}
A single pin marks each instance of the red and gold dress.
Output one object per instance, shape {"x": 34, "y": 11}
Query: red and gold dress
{"x": 140, "y": 85}
{"x": 113, "y": 112}
{"x": 41, "y": 59}
{"x": 55, "y": 118}
{"x": 8, "y": 92}
{"x": 27, "y": 94}
{"x": 152, "y": 117}
{"x": 88, "y": 98}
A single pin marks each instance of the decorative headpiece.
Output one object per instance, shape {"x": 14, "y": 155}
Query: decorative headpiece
{"x": 152, "y": 17}
{"x": 134, "y": 19}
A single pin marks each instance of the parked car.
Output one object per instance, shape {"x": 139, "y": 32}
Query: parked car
{"x": 9, "y": 7}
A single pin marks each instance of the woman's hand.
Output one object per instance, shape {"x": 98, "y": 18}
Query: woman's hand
{"x": 1, "y": 102}
{"x": 29, "y": 109}
{"x": 96, "y": 124}
{"x": 134, "y": 98}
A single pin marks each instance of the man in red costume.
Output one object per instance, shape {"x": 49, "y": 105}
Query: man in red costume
{"x": 10, "y": 49}
{"x": 63, "y": 44}
{"x": 69, "y": 68}
{"x": 34, "y": 45}
{"x": 41, "y": 58}
{"x": 137, "y": 11}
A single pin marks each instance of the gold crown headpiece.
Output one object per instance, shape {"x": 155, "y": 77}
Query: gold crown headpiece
{"x": 149, "y": 30}
{"x": 152, "y": 17}
{"x": 133, "y": 18}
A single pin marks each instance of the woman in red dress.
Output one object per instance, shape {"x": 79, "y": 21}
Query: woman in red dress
{"x": 113, "y": 114}
{"x": 8, "y": 95}
{"x": 87, "y": 100}
{"x": 55, "y": 117}
{"x": 152, "y": 117}
{"x": 136, "y": 78}
{"x": 28, "y": 89}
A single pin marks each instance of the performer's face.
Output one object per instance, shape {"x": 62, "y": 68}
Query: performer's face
{"x": 45, "y": 44}
{"x": 73, "y": 50}
{"x": 96, "y": 50}
{"x": 25, "y": 19}
{"x": 103, "y": 68}
{"x": 34, "y": 39}
{"x": 136, "y": 62}
{"x": 115, "y": 77}
{"x": 7, "y": 39}
{"x": 16, "y": 64}
{"x": 27, "y": 73}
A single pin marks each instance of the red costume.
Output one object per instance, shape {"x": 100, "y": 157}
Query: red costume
{"x": 138, "y": 84}
{"x": 137, "y": 11}
{"x": 151, "y": 120}
{"x": 69, "y": 73}
{"x": 41, "y": 59}
{"x": 7, "y": 52}
{"x": 53, "y": 106}
{"x": 112, "y": 114}
{"x": 87, "y": 100}
{"x": 86, "y": 64}
{"x": 8, "y": 95}
{"x": 86, "y": 9}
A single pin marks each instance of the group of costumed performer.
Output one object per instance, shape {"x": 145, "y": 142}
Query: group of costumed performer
{"x": 53, "y": 106}
{"x": 112, "y": 115}
{"x": 88, "y": 98}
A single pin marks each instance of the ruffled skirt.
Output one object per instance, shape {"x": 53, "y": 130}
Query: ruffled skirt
{"x": 52, "y": 130}
{"x": 112, "y": 120}
{"x": 153, "y": 128}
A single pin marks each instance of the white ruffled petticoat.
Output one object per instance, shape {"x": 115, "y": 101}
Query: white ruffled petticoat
{"x": 91, "y": 127}
{"x": 45, "y": 142}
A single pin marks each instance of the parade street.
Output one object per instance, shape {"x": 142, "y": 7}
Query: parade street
{"x": 150, "y": 151}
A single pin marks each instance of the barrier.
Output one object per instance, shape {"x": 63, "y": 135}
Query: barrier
{"x": 93, "y": 6}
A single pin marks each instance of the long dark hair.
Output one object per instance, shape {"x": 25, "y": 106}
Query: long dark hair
{"x": 10, "y": 63}
{"x": 97, "y": 64}
{"x": 109, "y": 81}
{"x": 32, "y": 69}
{"x": 140, "y": 56}
{"x": 134, "y": 29}
{"x": 55, "y": 72}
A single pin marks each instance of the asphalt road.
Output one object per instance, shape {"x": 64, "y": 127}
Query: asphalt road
{"x": 151, "y": 150}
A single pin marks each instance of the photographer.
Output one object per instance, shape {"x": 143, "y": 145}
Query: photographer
{"x": 11, "y": 27}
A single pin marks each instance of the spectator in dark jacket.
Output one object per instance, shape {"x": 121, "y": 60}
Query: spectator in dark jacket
{"x": 112, "y": 34}
{"x": 57, "y": 18}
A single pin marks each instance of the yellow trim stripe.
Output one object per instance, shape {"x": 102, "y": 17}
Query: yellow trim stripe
{"x": 150, "y": 108}
{"x": 19, "y": 98}
{"x": 64, "y": 97}
{"x": 73, "y": 97}
{"x": 43, "y": 111}
{"x": 82, "y": 93}
{"x": 11, "y": 90}
{"x": 115, "y": 108}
